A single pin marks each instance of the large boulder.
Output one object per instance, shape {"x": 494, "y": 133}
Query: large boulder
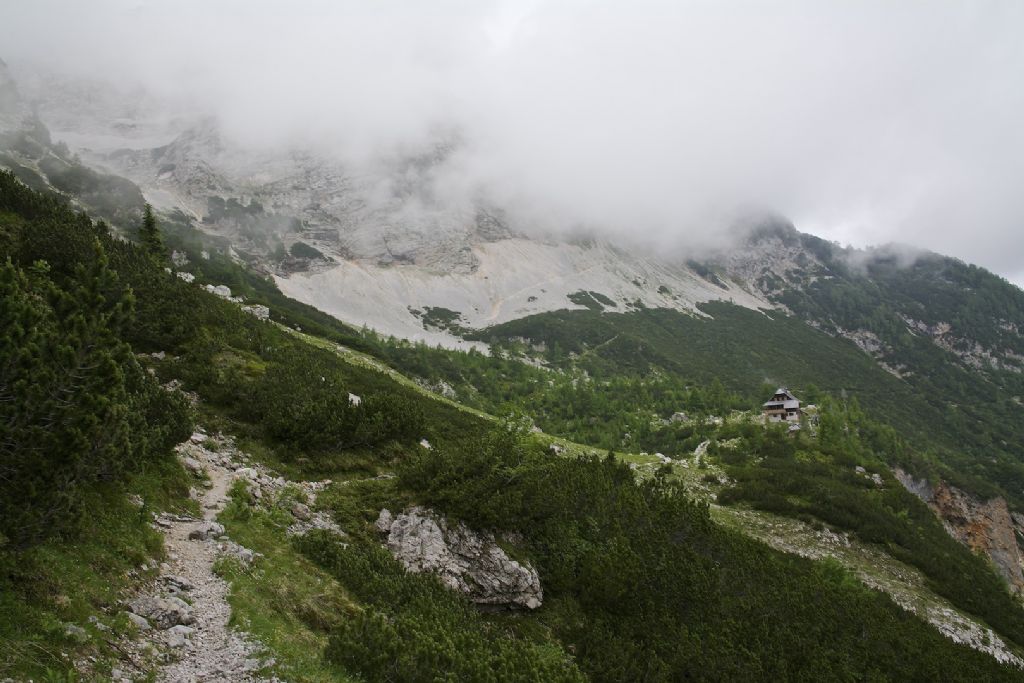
{"x": 467, "y": 561}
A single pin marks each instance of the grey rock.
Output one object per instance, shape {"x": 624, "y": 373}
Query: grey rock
{"x": 177, "y": 636}
{"x": 919, "y": 487}
{"x": 140, "y": 622}
{"x": 300, "y": 511}
{"x": 192, "y": 465}
{"x": 178, "y": 602}
{"x": 465, "y": 560}
{"x": 384, "y": 521}
{"x": 222, "y": 291}
{"x": 205, "y": 531}
{"x": 76, "y": 632}
{"x": 179, "y": 582}
{"x": 239, "y": 552}
{"x": 162, "y": 613}
{"x": 984, "y": 526}
{"x": 317, "y": 520}
{"x": 258, "y": 310}
{"x": 98, "y": 625}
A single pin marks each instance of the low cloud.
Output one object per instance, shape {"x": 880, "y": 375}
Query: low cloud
{"x": 864, "y": 122}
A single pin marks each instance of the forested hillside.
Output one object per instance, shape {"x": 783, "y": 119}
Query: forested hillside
{"x": 100, "y": 337}
{"x": 969, "y": 425}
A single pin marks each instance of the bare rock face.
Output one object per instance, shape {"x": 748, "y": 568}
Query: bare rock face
{"x": 919, "y": 487}
{"x": 467, "y": 561}
{"x": 986, "y": 527}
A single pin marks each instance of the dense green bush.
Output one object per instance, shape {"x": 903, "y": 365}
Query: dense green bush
{"x": 649, "y": 355}
{"x": 639, "y": 583}
{"x": 302, "y": 399}
{"x": 412, "y": 628}
{"x": 820, "y": 483}
{"x": 289, "y": 391}
{"x": 76, "y": 408}
{"x": 303, "y": 250}
{"x": 643, "y": 586}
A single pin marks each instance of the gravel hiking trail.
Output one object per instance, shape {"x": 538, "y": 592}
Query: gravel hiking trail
{"x": 212, "y": 650}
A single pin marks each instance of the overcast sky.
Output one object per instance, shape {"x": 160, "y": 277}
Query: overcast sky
{"x": 863, "y": 122}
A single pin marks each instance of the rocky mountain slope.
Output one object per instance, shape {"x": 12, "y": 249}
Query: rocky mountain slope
{"x": 634, "y": 573}
{"x": 383, "y": 245}
{"x": 380, "y": 246}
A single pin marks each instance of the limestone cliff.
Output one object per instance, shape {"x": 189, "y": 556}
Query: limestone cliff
{"x": 986, "y": 527}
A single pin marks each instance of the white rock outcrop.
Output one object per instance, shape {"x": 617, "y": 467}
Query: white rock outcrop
{"x": 258, "y": 310}
{"x": 222, "y": 291}
{"x": 468, "y": 561}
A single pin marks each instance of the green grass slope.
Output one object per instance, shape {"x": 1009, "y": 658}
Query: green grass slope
{"x": 640, "y": 583}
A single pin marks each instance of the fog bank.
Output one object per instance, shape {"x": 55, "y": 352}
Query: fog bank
{"x": 863, "y": 122}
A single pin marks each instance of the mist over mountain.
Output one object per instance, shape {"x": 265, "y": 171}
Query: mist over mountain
{"x": 511, "y": 341}
{"x": 860, "y": 122}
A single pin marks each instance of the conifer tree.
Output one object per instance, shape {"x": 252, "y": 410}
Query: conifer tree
{"x": 149, "y": 235}
{"x": 75, "y": 407}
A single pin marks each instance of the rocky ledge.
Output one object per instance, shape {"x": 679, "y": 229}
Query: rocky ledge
{"x": 468, "y": 561}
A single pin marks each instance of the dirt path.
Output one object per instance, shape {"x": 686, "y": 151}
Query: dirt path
{"x": 212, "y": 651}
